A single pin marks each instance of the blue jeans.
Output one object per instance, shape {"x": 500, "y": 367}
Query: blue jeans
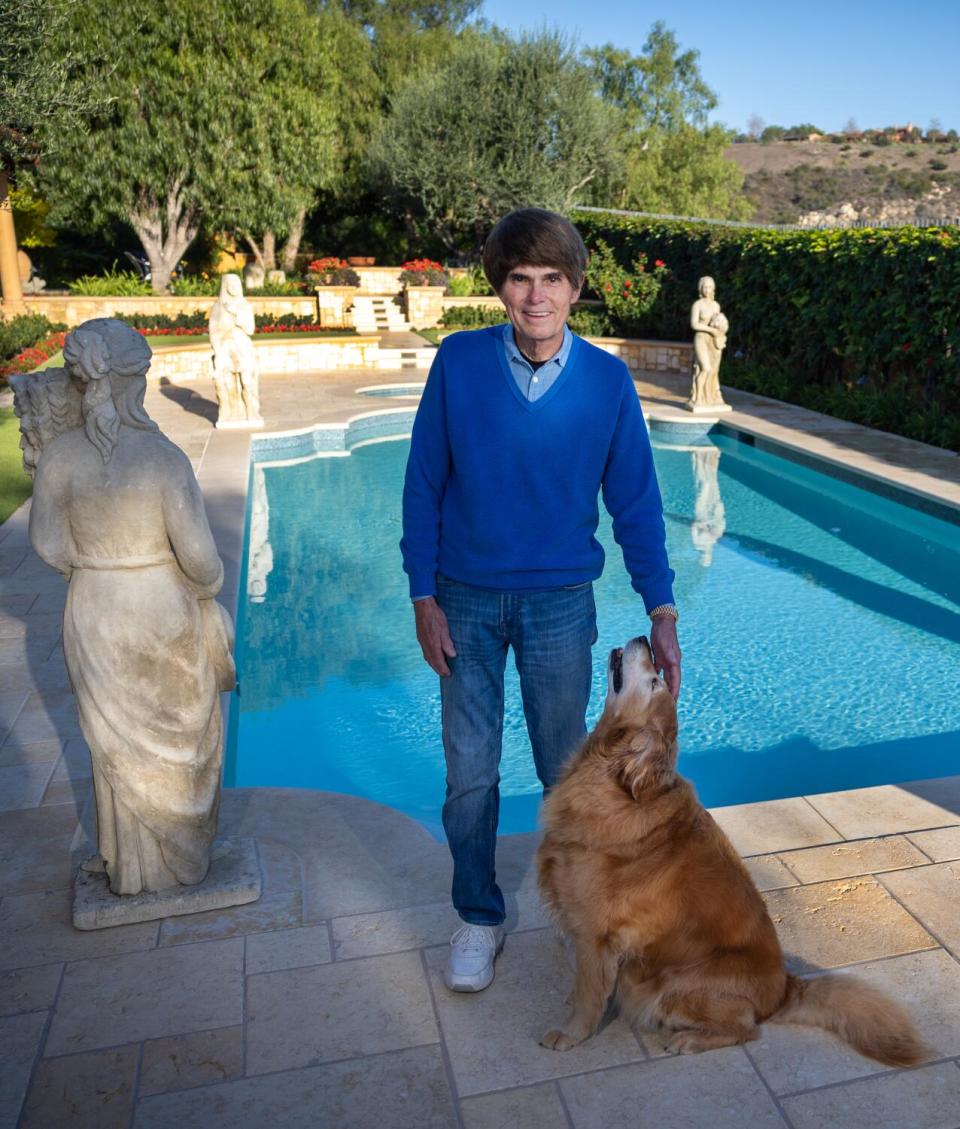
{"x": 551, "y": 634}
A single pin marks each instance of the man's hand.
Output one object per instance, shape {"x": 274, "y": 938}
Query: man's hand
{"x": 433, "y": 635}
{"x": 666, "y": 651}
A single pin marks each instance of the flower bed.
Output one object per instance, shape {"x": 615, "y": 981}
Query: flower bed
{"x": 34, "y": 356}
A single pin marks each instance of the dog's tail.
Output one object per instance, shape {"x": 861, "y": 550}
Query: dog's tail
{"x": 860, "y": 1014}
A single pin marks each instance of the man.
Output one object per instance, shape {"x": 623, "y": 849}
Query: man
{"x": 519, "y": 429}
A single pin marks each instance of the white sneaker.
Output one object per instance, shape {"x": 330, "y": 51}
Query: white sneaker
{"x": 473, "y": 949}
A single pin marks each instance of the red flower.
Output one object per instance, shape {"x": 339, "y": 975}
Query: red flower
{"x": 628, "y": 284}
{"x": 608, "y": 286}
{"x": 659, "y": 263}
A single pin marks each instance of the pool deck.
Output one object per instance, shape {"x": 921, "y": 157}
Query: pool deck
{"x": 322, "y": 1005}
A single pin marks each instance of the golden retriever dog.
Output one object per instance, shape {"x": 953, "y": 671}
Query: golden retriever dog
{"x": 660, "y": 909}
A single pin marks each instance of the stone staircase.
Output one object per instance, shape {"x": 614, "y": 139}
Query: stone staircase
{"x": 378, "y": 313}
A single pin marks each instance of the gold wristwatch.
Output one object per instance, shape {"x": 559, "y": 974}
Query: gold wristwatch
{"x": 665, "y": 609}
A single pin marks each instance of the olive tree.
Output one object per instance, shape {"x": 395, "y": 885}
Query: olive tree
{"x": 496, "y": 125}
{"x": 215, "y": 111}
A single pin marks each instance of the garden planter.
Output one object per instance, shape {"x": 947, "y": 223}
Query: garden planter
{"x": 334, "y": 304}
{"x": 424, "y": 305}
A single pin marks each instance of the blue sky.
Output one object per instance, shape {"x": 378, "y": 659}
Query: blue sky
{"x": 881, "y": 62}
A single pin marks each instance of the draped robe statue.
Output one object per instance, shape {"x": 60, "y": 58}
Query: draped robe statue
{"x": 235, "y": 374}
{"x": 710, "y": 327}
{"x": 117, "y": 510}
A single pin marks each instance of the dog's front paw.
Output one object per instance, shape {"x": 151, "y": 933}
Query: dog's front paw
{"x": 558, "y": 1040}
{"x": 685, "y": 1043}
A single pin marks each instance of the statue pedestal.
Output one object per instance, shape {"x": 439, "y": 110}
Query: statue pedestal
{"x": 706, "y": 409}
{"x": 232, "y": 880}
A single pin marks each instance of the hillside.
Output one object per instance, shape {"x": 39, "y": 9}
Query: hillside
{"x": 813, "y": 182}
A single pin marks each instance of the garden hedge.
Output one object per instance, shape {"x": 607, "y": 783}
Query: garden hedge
{"x": 862, "y": 322}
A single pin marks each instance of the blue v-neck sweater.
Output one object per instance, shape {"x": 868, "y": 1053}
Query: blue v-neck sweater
{"x": 502, "y": 492}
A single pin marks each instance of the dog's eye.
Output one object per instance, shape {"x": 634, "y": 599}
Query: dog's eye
{"x": 654, "y": 683}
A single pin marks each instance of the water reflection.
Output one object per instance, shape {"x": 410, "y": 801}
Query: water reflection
{"x": 709, "y": 517}
{"x": 260, "y": 556}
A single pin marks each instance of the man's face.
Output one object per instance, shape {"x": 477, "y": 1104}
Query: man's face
{"x": 538, "y": 301}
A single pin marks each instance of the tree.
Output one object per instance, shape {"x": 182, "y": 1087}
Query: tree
{"x": 755, "y": 126}
{"x": 497, "y": 125}
{"x": 673, "y": 158}
{"x": 772, "y": 133}
{"x": 204, "y": 121}
{"x": 285, "y": 124}
{"x": 42, "y": 100}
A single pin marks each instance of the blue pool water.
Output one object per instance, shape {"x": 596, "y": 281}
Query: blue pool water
{"x": 820, "y": 628}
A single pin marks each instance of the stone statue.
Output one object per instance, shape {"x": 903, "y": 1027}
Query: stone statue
{"x": 117, "y": 510}
{"x": 709, "y": 516}
{"x": 235, "y": 375}
{"x": 253, "y": 276}
{"x": 30, "y": 281}
{"x": 710, "y": 328}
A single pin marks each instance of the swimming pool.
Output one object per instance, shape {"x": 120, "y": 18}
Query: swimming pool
{"x": 820, "y": 628}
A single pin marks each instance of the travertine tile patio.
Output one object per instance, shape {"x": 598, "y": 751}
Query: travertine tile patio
{"x": 321, "y": 1005}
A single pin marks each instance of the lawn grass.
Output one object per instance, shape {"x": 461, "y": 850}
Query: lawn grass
{"x": 15, "y": 485}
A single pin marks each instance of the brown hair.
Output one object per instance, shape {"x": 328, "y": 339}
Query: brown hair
{"x": 537, "y": 238}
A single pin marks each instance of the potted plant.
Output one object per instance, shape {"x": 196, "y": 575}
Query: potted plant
{"x": 423, "y": 272}
{"x": 331, "y": 271}
{"x": 425, "y": 283}
{"x": 336, "y": 285}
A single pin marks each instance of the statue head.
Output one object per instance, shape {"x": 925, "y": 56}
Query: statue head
{"x": 231, "y": 286}
{"x": 108, "y": 361}
{"x": 706, "y": 287}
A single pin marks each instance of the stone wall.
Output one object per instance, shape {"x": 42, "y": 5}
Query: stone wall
{"x": 73, "y": 309}
{"x": 379, "y": 280}
{"x": 192, "y": 362}
{"x": 648, "y": 356}
{"x": 334, "y": 306}
{"x": 424, "y": 305}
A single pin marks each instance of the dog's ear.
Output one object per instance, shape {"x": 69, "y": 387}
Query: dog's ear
{"x": 646, "y": 765}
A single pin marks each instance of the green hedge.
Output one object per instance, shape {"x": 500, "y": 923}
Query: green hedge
{"x": 872, "y": 312}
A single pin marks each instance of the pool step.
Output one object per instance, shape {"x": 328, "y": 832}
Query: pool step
{"x": 373, "y": 313}
{"x": 400, "y": 359}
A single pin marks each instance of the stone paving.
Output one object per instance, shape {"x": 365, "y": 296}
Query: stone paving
{"x": 322, "y": 1006}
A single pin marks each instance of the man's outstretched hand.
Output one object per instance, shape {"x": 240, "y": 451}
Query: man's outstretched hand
{"x": 433, "y": 635}
{"x": 666, "y": 651}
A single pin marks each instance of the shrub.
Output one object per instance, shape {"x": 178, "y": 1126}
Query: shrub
{"x": 824, "y": 306}
{"x": 22, "y": 332}
{"x": 196, "y": 285}
{"x": 423, "y": 272}
{"x": 291, "y": 287}
{"x": 627, "y": 295}
{"x": 469, "y": 285}
{"x": 938, "y": 165}
{"x": 113, "y": 284}
{"x": 472, "y": 317}
{"x": 589, "y": 322}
